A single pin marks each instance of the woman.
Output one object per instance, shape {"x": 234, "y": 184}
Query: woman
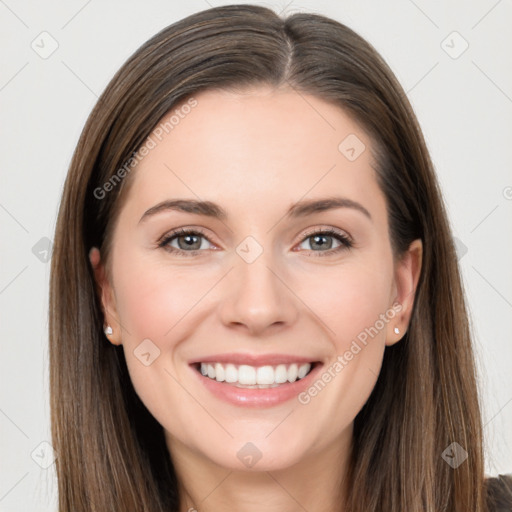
{"x": 206, "y": 351}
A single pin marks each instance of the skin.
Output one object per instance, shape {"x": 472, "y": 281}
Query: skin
{"x": 255, "y": 153}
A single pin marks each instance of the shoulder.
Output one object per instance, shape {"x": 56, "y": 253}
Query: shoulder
{"x": 499, "y": 493}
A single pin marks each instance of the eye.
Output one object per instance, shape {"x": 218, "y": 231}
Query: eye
{"x": 323, "y": 240}
{"x": 188, "y": 241}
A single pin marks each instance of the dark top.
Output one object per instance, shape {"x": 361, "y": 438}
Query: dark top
{"x": 499, "y": 493}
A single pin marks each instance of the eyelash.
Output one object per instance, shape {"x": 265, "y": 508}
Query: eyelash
{"x": 345, "y": 241}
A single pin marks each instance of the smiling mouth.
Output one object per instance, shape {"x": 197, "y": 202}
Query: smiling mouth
{"x": 255, "y": 377}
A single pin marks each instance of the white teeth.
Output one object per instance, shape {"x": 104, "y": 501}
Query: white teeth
{"x": 219, "y": 372}
{"x": 231, "y": 373}
{"x": 246, "y": 374}
{"x": 250, "y": 376}
{"x": 281, "y": 374}
{"x": 293, "y": 371}
{"x": 265, "y": 375}
{"x": 303, "y": 370}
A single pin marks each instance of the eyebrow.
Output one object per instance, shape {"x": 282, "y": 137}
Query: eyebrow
{"x": 210, "y": 209}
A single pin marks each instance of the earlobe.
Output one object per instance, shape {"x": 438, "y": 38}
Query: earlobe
{"x": 94, "y": 257}
{"x": 407, "y": 274}
{"x": 105, "y": 292}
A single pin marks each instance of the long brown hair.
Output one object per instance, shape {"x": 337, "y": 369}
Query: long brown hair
{"x": 111, "y": 453}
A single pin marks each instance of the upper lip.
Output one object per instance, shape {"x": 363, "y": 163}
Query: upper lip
{"x": 254, "y": 359}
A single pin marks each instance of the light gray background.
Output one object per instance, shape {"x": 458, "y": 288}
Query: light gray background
{"x": 464, "y": 105}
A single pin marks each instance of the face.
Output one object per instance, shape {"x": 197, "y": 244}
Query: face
{"x": 285, "y": 301}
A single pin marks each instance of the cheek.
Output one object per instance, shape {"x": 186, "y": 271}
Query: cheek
{"x": 153, "y": 299}
{"x": 349, "y": 299}
{"x": 162, "y": 305}
{"x": 354, "y": 305}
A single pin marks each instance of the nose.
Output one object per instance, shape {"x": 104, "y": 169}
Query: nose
{"x": 256, "y": 298}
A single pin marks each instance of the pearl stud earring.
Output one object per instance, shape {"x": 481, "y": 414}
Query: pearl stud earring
{"x": 108, "y": 330}
{"x": 397, "y": 330}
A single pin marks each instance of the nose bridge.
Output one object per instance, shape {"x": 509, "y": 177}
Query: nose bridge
{"x": 256, "y": 295}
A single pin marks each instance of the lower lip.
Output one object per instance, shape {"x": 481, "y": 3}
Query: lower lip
{"x": 266, "y": 397}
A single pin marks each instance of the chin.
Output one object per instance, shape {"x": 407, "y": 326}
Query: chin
{"x": 257, "y": 455}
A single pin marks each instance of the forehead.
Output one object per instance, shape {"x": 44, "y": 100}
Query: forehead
{"x": 257, "y": 148}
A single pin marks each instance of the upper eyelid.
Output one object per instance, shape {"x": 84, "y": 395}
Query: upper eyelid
{"x": 328, "y": 230}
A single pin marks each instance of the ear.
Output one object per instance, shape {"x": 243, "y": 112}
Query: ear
{"x": 107, "y": 296}
{"x": 407, "y": 274}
